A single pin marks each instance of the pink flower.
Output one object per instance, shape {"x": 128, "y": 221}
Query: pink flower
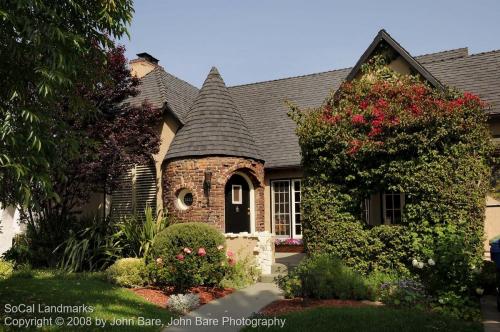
{"x": 220, "y": 247}
{"x": 358, "y": 119}
{"x": 230, "y": 253}
{"x": 187, "y": 250}
{"x": 180, "y": 257}
{"x": 231, "y": 261}
{"x": 202, "y": 252}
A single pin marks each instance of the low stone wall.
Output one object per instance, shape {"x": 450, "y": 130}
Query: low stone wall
{"x": 258, "y": 246}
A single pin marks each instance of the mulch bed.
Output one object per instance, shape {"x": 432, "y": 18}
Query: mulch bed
{"x": 298, "y": 304}
{"x": 160, "y": 297}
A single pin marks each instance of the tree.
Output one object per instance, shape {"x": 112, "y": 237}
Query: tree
{"x": 46, "y": 47}
{"x": 108, "y": 141}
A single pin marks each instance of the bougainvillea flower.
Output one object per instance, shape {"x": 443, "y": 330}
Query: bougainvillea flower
{"x": 358, "y": 119}
{"x": 202, "y": 252}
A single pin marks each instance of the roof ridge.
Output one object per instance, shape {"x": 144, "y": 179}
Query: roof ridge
{"x": 443, "y": 51}
{"x": 290, "y": 77}
{"x": 485, "y": 52}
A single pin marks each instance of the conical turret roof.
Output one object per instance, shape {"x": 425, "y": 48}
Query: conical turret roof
{"x": 213, "y": 125}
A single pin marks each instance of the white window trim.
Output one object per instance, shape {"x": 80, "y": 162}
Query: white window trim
{"x": 384, "y": 207}
{"x": 291, "y": 192}
{"x": 240, "y": 201}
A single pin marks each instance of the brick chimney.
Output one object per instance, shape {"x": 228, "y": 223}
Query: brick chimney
{"x": 144, "y": 63}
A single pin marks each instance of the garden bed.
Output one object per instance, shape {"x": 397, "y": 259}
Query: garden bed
{"x": 286, "y": 248}
{"x": 298, "y": 304}
{"x": 160, "y": 297}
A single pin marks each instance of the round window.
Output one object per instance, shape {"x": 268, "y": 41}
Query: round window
{"x": 188, "y": 199}
{"x": 185, "y": 199}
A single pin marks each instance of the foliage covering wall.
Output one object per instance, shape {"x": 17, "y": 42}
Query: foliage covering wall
{"x": 391, "y": 132}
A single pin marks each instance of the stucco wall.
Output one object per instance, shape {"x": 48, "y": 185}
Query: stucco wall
{"x": 491, "y": 223}
{"x": 9, "y": 226}
{"x": 190, "y": 173}
{"x": 167, "y": 132}
{"x": 276, "y": 175}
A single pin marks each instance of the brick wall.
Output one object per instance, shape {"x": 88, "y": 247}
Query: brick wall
{"x": 190, "y": 173}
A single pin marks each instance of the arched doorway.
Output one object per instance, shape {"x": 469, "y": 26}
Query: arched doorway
{"x": 238, "y": 204}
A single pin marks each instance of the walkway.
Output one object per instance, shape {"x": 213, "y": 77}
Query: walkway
{"x": 491, "y": 316}
{"x": 227, "y": 310}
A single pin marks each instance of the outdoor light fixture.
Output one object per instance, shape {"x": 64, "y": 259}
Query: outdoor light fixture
{"x": 207, "y": 184}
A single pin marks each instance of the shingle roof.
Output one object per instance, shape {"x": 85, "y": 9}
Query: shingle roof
{"x": 160, "y": 88}
{"x": 266, "y": 112}
{"x": 213, "y": 125}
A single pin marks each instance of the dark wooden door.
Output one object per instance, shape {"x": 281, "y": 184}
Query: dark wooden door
{"x": 237, "y": 205}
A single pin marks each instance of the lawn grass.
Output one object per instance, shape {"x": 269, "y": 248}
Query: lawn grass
{"x": 52, "y": 288}
{"x": 373, "y": 319}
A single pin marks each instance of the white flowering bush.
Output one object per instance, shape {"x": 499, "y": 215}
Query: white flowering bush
{"x": 183, "y": 303}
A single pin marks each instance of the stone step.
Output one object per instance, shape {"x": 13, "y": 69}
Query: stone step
{"x": 269, "y": 278}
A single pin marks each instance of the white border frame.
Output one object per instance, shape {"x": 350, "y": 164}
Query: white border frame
{"x": 292, "y": 192}
{"x": 240, "y": 201}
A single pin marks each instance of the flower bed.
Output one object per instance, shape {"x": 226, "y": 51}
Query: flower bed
{"x": 160, "y": 297}
{"x": 288, "y": 245}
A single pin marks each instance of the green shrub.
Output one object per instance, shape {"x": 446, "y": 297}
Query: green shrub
{"x": 323, "y": 276}
{"x": 93, "y": 248}
{"x": 390, "y": 249}
{"x": 387, "y": 131}
{"x": 244, "y": 273}
{"x": 127, "y": 272}
{"x": 6, "y": 269}
{"x": 138, "y": 234}
{"x": 487, "y": 278}
{"x": 187, "y": 255}
{"x": 457, "y": 306}
{"x": 20, "y": 252}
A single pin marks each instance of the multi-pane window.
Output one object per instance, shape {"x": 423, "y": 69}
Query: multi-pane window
{"x": 286, "y": 210}
{"x": 281, "y": 207}
{"x": 392, "y": 207}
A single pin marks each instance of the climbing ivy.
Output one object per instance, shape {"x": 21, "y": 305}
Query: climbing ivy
{"x": 386, "y": 131}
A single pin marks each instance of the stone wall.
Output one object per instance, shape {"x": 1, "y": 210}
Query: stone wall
{"x": 258, "y": 246}
{"x": 190, "y": 173}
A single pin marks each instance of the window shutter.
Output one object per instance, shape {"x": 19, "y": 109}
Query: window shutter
{"x": 122, "y": 197}
{"x": 145, "y": 189}
{"x": 136, "y": 190}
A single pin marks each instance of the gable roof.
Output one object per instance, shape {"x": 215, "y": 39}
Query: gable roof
{"x": 262, "y": 106}
{"x": 264, "y": 103}
{"x": 162, "y": 89}
{"x": 382, "y": 37}
{"x": 213, "y": 125}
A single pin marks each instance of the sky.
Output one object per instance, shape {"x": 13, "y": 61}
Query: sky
{"x": 259, "y": 40}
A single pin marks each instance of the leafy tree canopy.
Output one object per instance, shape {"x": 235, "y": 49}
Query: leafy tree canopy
{"x": 46, "y": 48}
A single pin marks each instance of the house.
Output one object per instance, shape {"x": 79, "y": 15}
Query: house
{"x": 229, "y": 156}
